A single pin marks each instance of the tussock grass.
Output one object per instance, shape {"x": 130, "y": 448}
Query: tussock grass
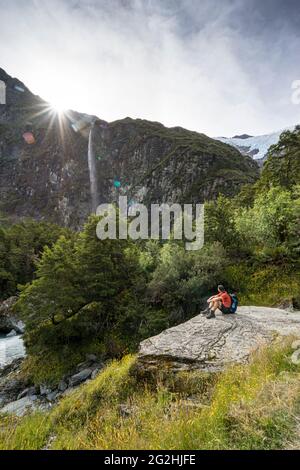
{"x": 251, "y": 406}
{"x": 30, "y": 432}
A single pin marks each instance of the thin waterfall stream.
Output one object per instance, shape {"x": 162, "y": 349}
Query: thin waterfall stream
{"x": 92, "y": 170}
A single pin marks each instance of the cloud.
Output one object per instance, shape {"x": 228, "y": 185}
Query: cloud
{"x": 217, "y": 66}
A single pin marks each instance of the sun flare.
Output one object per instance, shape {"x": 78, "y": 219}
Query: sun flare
{"x": 58, "y": 108}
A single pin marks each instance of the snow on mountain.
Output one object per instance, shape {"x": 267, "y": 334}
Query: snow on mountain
{"x": 255, "y": 146}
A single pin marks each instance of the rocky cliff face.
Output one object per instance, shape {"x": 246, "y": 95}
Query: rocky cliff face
{"x": 211, "y": 345}
{"x": 44, "y": 165}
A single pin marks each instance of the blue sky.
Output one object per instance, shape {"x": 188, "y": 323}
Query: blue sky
{"x": 220, "y": 67}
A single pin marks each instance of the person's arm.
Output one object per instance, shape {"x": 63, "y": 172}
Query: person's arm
{"x": 213, "y": 297}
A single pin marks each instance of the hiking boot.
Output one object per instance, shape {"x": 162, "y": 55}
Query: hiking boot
{"x": 205, "y": 311}
{"x": 210, "y": 315}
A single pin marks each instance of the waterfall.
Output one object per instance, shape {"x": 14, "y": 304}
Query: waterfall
{"x": 92, "y": 171}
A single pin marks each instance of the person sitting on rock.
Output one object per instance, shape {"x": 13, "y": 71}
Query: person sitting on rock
{"x": 221, "y": 301}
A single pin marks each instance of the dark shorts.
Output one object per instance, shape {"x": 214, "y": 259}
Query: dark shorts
{"x": 225, "y": 310}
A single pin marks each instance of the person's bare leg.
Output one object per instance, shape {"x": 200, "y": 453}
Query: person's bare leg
{"x": 215, "y": 305}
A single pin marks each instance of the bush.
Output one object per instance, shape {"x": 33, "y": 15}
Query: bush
{"x": 183, "y": 279}
{"x": 282, "y": 167}
{"x": 272, "y": 225}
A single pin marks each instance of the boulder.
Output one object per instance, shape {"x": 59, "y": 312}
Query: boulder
{"x": 84, "y": 365}
{"x": 210, "y": 345}
{"x": 296, "y": 357}
{"x": 62, "y": 386}
{"x": 45, "y": 390}
{"x": 12, "y": 383}
{"x": 27, "y": 392}
{"x": 296, "y": 345}
{"x": 8, "y": 319}
{"x": 20, "y": 407}
{"x": 11, "y": 334}
{"x": 52, "y": 395}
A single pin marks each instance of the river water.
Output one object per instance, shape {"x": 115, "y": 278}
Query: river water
{"x": 10, "y": 349}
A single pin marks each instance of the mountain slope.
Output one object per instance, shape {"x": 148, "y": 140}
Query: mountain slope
{"x": 255, "y": 146}
{"x": 44, "y": 166}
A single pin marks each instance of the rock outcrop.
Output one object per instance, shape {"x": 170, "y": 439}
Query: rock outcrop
{"x": 210, "y": 345}
{"x": 21, "y": 406}
{"x": 12, "y": 383}
{"x": 18, "y": 396}
{"x": 8, "y": 319}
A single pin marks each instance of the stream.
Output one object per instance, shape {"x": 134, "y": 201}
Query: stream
{"x": 10, "y": 349}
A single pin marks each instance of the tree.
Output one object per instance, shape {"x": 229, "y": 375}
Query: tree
{"x": 21, "y": 245}
{"x": 184, "y": 279}
{"x": 84, "y": 288}
{"x": 282, "y": 167}
{"x": 273, "y": 222}
{"x": 220, "y": 224}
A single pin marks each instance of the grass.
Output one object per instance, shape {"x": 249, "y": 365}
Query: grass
{"x": 249, "y": 406}
{"x": 48, "y": 367}
{"x": 31, "y": 432}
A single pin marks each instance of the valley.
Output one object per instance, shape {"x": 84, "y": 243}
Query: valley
{"x": 102, "y": 343}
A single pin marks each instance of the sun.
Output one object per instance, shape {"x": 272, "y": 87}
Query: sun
{"x": 58, "y": 108}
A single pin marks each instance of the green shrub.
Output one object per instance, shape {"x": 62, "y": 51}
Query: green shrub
{"x": 183, "y": 279}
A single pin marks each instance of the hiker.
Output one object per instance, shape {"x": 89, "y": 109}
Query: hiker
{"x": 221, "y": 301}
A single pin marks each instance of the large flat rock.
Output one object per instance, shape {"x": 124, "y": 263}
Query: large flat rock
{"x": 212, "y": 344}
